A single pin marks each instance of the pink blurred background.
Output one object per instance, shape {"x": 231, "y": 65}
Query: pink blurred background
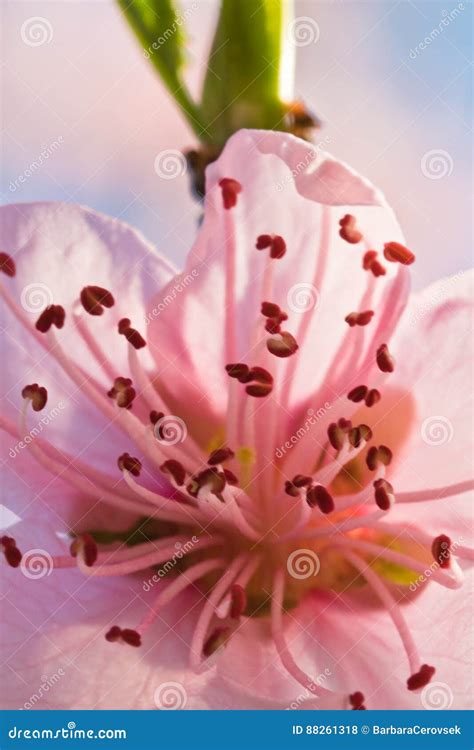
{"x": 399, "y": 113}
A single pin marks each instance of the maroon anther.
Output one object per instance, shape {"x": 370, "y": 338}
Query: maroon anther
{"x": 37, "y": 394}
{"x": 230, "y": 477}
{"x": 95, "y": 298}
{"x": 122, "y": 392}
{"x": 348, "y": 230}
{"x": 358, "y": 393}
{"x": 211, "y": 479}
{"x": 11, "y": 552}
{"x": 441, "y": 550}
{"x": 51, "y": 315}
{"x": 126, "y": 635}
{"x": 129, "y": 463}
{"x": 320, "y": 497}
{"x": 175, "y": 469}
{"x": 238, "y": 371}
{"x": 220, "y": 455}
{"x": 86, "y": 544}
{"x": 370, "y": 263}
{"x": 282, "y": 345}
{"x": 131, "y": 334}
{"x": 384, "y": 495}
{"x": 336, "y": 436}
{"x": 238, "y": 601}
{"x": 385, "y": 361}
{"x": 376, "y": 456}
{"x": 270, "y": 310}
{"x": 275, "y": 242}
{"x": 262, "y": 382}
{"x": 398, "y": 253}
{"x": 421, "y": 678}
{"x": 155, "y": 416}
{"x": 7, "y": 264}
{"x": 357, "y": 701}
{"x": 301, "y": 480}
{"x": 358, "y": 434}
{"x": 372, "y": 397}
{"x": 291, "y": 490}
{"x": 359, "y": 318}
{"x": 230, "y": 190}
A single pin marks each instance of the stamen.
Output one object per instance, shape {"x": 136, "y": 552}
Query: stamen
{"x": 175, "y": 469}
{"x": 348, "y": 230}
{"x": 385, "y": 361}
{"x": 230, "y": 190}
{"x": 282, "y": 345}
{"x": 129, "y": 463}
{"x": 264, "y": 382}
{"x": 359, "y": 318}
{"x": 421, "y": 678}
{"x": 276, "y": 244}
{"x": 122, "y": 392}
{"x": 7, "y": 264}
{"x": 372, "y": 397}
{"x": 95, "y": 298}
{"x": 126, "y": 635}
{"x": 359, "y": 434}
{"x": 11, "y": 552}
{"x": 320, "y": 497}
{"x": 357, "y": 701}
{"x": 376, "y": 456}
{"x": 358, "y": 393}
{"x": 220, "y": 455}
{"x": 85, "y": 545}
{"x": 238, "y": 371}
{"x": 51, "y": 315}
{"x": 441, "y": 550}
{"x": 38, "y": 395}
{"x": 301, "y": 480}
{"x": 370, "y": 263}
{"x": 397, "y": 253}
{"x": 384, "y": 494}
{"x": 131, "y": 334}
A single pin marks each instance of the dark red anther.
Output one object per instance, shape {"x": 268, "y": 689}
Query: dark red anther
{"x": 385, "y": 361}
{"x": 230, "y": 190}
{"x": 216, "y": 640}
{"x": 230, "y": 477}
{"x": 238, "y": 601}
{"x": 397, "y": 253}
{"x": 37, "y": 394}
{"x": 290, "y": 489}
{"x": 220, "y": 455}
{"x": 376, "y": 456}
{"x": 421, "y": 678}
{"x": 358, "y": 434}
{"x": 11, "y": 552}
{"x": 95, "y": 298}
{"x": 113, "y": 634}
{"x": 129, "y": 463}
{"x": 357, "y": 700}
{"x": 155, "y": 416}
{"x": 348, "y": 230}
{"x": 263, "y": 382}
{"x": 239, "y": 371}
{"x": 51, "y": 315}
{"x": 357, "y": 394}
{"x": 368, "y": 259}
{"x": 282, "y": 345}
{"x": 359, "y": 318}
{"x": 270, "y": 310}
{"x": 131, "y": 334}
{"x": 176, "y": 469}
{"x": 123, "y": 392}
{"x": 7, "y": 264}
{"x": 275, "y": 242}
{"x": 320, "y": 497}
{"x": 336, "y": 436}
{"x": 441, "y": 550}
{"x": 373, "y": 397}
{"x": 301, "y": 480}
{"x": 211, "y": 479}
{"x": 272, "y": 325}
{"x": 384, "y": 495}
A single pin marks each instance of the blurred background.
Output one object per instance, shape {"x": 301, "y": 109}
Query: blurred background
{"x": 86, "y": 119}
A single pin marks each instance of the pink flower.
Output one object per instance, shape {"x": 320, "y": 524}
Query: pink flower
{"x": 298, "y": 444}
